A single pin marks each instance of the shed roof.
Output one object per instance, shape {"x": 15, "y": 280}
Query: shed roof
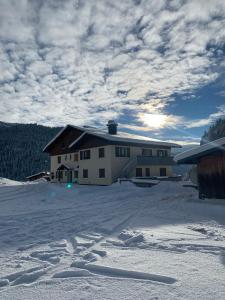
{"x": 37, "y": 174}
{"x": 191, "y": 156}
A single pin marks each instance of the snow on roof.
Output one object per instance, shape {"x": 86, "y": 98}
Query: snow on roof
{"x": 123, "y": 137}
{"x": 39, "y": 173}
{"x": 132, "y": 138}
{"x": 190, "y": 155}
{"x": 119, "y": 137}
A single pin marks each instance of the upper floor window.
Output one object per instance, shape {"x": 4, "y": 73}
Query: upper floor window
{"x": 70, "y": 156}
{"x": 59, "y": 159}
{"x": 65, "y": 157}
{"x": 162, "y": 153}
{"x": 146, "y": 152}
{"x": 86, "y": 154}
{"x": 122, "y": 152}
{"x": 76, "y": 157}
{"x": 101, "y": 152}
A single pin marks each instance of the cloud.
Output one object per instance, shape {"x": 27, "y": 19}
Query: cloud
{"x": 87, "y": 61}
{"x": 207, "y": 121}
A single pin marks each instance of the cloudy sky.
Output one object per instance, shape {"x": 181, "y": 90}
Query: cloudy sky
{"x": 155, "y": 66}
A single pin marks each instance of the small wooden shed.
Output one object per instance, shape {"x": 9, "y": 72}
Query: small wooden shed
{"x": 210, "y": 161}
{"x": 45, "y": 175}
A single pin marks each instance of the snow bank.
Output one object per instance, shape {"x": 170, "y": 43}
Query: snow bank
{"x": 9, "y": 182}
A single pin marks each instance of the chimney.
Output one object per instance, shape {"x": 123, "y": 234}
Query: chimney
{"x": 112, "y": 127}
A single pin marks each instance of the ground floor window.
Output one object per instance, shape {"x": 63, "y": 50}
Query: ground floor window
{"x": 101, "y": 173}
{"x": 147, "y": 172}
{"x": 85, "y": 173}
{"x": 75, "y": 174}
{"x": 162, "y": 171}
{"x": 138, "y": 172}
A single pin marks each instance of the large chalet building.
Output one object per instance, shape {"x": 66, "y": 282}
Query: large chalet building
{"x": 88, "y": 155}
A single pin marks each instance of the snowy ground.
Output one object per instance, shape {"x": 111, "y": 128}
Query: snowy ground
{"x": 117, "y": 242}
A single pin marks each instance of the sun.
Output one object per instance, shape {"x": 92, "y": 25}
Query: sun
{"x": 155, "y": 121}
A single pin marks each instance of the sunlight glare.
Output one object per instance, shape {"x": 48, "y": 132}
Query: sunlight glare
{"x": 154, "y": 120}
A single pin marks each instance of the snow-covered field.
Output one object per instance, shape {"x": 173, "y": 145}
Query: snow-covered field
{"x": 116, "y": 242}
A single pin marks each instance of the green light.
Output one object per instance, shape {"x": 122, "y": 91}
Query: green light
{"x": 69, "y": 185}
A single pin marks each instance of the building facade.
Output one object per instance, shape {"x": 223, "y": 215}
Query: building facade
{"x": 87, "y": 155}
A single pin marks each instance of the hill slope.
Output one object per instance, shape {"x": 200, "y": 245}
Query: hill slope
{"x": 21, "y": 149}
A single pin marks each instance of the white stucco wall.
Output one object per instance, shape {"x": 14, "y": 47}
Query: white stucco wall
{"x": 93, "y": 165}
{"x": 112, "y": 165}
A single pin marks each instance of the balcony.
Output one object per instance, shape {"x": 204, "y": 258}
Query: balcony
{"x": 155, "y": 160}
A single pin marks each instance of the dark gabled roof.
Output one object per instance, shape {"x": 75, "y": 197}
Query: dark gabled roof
{"x": 120, "y": 137}
{"x": 59, "y": 134}
{"x": 192, "y": 156}
{"x": 125, "y": 138}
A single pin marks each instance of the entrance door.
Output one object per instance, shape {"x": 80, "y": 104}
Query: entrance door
{"x": 138, "y": 172}
{"x": 162, "y": 171}
{"x": 69, "y": 176}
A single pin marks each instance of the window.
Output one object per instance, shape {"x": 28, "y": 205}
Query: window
{"x": 75, "y": 174}
{"x": 101, "y": 152}
{"x": 146, "y": 152}
{"x": 162, "y": 153}
{"x": 70, "y": 156}
{"x": 101, "y": 173}
{"x": 122, "y": 152}
{"x": 85, "y": 173}
{"x": 86, "y": 154}
{"x": 147, "y": 172}
{"x": 59, "y": 159}
{"x": 138, "y": 172}
{"x": 52, "y": 175}
{"x": 65, "y": 157}
{"x": 76, "y": 157}
{"x": 162, "y": 171}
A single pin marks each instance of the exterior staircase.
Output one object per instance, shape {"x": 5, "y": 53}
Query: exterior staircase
{"x": 128, "y": 167}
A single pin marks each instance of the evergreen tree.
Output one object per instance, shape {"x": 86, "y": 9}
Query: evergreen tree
{"x": 21, "y": 149}
{"x": 215, "y": 131}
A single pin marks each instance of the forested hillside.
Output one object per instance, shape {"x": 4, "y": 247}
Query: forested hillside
{"x": 21, "y": 149}
{"x": 215, "y": 131}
